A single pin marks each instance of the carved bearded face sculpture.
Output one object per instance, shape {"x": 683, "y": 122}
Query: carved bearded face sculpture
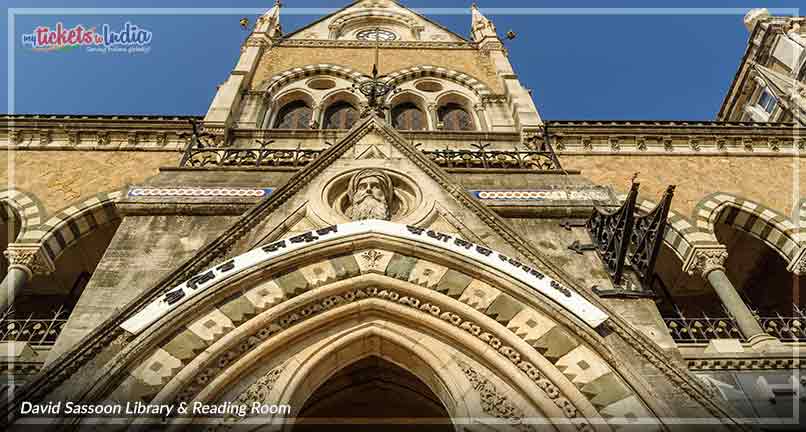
{"x": 370, "y": 193}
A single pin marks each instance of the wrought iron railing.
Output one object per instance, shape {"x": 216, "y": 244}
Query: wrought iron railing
{"x": 702, "y": 330}
{"x": 786, "y": 328}
{"x": 483, "y": 158}
{"x": 35, "y": 331}
{"x": 204, "y": 150}
{"x": 247, "y": 157}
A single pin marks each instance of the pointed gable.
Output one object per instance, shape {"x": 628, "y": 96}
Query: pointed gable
{"x": 398, "y": 23}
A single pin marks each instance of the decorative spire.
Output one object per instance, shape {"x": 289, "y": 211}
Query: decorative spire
{"x": 269, "y": 23}
{"x": 481, "y": 27}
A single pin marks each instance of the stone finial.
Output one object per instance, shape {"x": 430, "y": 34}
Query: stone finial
{"x": 754, "y": 16}
{"x": 481, "y": 27}
{"x": 29, "y": 258}
{"x": 704, "y": 261}
{"x": 269, "y": 22}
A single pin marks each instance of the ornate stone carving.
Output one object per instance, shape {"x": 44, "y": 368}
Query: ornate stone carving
{"x": 29, "y": 258}
{"x": 704, "y": 261}
{"x": 73, "y": 138}
{"x": 667, "y": 144}
{"x": 492, "y": 401}
{"x": 131, "y": 138}
{"x": 370, "y": 192}
{"x": 161, "y": 139}
{"x": 640, "y": 143}
{"x": 44, "y": 137}
{"x": 259, "y": 391}
{"x": 614, "y": 143}
{"x": 217, "y": 365}
{"x": 103, "y": 138}
{"x": 694, "y": 143}
{"x": 14, "y": 136}
{"x": 372, "y": 257}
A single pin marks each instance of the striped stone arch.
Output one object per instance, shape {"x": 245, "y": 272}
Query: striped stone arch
{"x": 25, "y": 206}
{"x": 191, "y": 352}
{"x": 64, "y": 228}
{"x": 461, "y": 78}
{"x": 277, "y": 81}
{"x": 766, "y": 224}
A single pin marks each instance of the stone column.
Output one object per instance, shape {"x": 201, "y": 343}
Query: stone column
{"x": 480, "y": 109}
{"x": 710, "y": 263}
{"x": 432, "y": 115}
{"x": 24, "y": 262}
{"x": 15, "y": 280}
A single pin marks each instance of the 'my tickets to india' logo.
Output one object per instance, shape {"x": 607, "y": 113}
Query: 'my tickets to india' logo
{"x": 129, "y": 39}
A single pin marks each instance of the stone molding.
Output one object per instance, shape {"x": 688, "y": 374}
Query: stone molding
{"x": 492, "y": 401}
{"x": 745, "y": 363}
{"x": 798, "y": 264}
{"x": 703, "y": 261}
{"x": 220, "y": 363}
{"x": 30, "y": 258}
{"x": 328, "y": 43}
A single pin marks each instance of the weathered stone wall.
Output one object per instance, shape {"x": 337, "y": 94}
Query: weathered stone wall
{"x": 60, "y": 178}
{"x": 468, "y": 61}
{"x": 767, "y": 180}
{"x": 143, "y": 250}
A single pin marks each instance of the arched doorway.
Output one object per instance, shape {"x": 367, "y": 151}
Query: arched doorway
{"x": 376, "y": 391}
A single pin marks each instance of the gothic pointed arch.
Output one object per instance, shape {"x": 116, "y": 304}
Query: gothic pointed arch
{"x": 263, "y": 307}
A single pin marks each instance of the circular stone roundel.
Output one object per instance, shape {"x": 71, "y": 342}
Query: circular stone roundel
{"x": 375, "y": 34}
{"x": 372, "y": 193}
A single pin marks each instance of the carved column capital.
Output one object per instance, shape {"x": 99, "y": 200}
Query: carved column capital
{"x": 29, "y": 258}
{"x": 704, "y": 261}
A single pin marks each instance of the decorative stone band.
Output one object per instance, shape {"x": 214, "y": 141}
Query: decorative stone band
{"x": 30, "y": 258}
{"x": 533, "y": 278}
{"x": 590, "y": 194}
{"x": 543, "y": 195}
{"x": 200, "y": 192}
{"x": 705, "y": 260}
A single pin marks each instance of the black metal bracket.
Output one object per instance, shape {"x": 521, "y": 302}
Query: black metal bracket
{"x": 624, "y": 240}
{"x": 580, "y": 248}
{"x": 568, "y": 224}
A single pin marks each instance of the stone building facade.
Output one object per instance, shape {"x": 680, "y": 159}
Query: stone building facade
{"x": 406, "y": 241}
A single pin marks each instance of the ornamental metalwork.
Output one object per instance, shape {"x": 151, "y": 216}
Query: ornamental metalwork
{"x": 611, "y": 233}
{"x": 262, "y": 156}
{"x": 647, "y": 237}
{"x": 625, "y": 240}
{"x": 34, "y": 331}
{"x": 375, "y": 88}
{"x": 786, "y": 328}
{"x": 702, "y": 330}
{"x": 481, "y": 157}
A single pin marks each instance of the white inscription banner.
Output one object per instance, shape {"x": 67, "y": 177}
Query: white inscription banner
{"x": 535, "y": 279}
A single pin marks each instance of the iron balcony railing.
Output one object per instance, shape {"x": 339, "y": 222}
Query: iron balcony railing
{"x": 34, "y": 331}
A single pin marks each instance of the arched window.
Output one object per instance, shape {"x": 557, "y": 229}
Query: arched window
{"x": 407, "y": 116}
{"x": 454, "y": 117}
{"x": 294, "y": 115}
{"x": 340, "y": 115}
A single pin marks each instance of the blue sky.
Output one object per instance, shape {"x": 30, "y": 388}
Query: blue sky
{"x": 583, "y": 59}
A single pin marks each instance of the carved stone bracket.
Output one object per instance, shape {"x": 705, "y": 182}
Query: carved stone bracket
{"x": 30, "y": 258}
{"x": 705, "y": 260}
{"x": 798, "y": 264}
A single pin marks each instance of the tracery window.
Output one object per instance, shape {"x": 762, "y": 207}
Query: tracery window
{"x": 340, "y": 115}
{"x": 294, "y": 115}
{"x": 407, "y": 116}
{"x": 454, "y": 117}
